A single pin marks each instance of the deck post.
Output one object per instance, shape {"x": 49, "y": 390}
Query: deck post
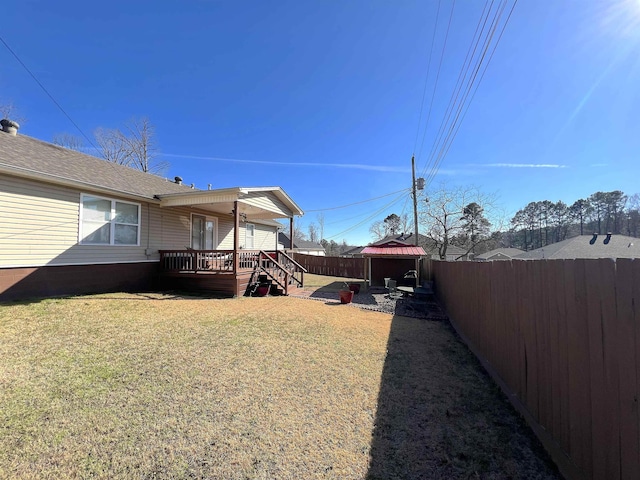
{"x": 236, "y": 236}
{"x": 291, "y": 234}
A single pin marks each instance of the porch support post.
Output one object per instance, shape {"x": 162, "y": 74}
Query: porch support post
{"x": 291, "y": 233}
{"x": 236, "y": 236}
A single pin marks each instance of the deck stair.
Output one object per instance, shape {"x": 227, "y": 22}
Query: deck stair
{"x": 279, "y": 271}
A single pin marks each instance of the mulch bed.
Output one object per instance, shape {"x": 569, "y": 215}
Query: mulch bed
{"x": 379, "y": 300}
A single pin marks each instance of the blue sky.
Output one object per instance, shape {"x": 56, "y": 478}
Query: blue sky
{"x": 324, "y": 98}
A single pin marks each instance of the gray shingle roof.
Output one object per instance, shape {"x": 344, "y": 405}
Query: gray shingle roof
{"x": 587, "y": 246}
{"x": 22, "y": 155}
{"x": 283, "y": 238}
{"x": 501, "y": 252}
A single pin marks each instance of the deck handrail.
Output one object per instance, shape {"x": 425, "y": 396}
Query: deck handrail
{"x": 292, "y": 260}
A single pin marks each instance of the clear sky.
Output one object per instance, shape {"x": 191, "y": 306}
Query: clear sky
{"x": 329, "y": 99}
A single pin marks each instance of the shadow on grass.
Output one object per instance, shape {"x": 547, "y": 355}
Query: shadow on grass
{"x": 133, "y": 296}
{"x": 440, "y": 416}
{"x": 333, "y": 287}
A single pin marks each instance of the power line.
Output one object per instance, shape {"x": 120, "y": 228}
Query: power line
{"x": 435, "y": 87}
{"x": 47, "y": 92}
{"x": 462, "y": 75}
{"x": 353, "y": 227}
{"x": 472, "y": 87}
{"x": 454, "y": 94}
{"x": 460, "y": 103}
{"x": 426, "y": 79}
{"x": 357, "y": 203}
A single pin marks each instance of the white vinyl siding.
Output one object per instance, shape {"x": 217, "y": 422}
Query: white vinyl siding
{"x": 264, "y": 237}
{"x": 40, "y": 227}
{"x": 268, "y": 201}
{"x": 225, "y": 233}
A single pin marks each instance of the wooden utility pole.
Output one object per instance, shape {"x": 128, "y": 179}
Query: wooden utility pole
{"x": 415, "y": 197}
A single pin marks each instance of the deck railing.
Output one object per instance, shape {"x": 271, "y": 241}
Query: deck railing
{"x": 198, "y": 260}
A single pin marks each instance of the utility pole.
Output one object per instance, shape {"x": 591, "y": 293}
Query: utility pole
{"x": 415, "y": 197}
{"x": 416, "y": 184}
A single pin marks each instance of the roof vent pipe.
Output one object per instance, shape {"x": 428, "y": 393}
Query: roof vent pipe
{"x": 608, "y": 239}
{"x": 9, "y": 126}
{"x": 178, "y": 180}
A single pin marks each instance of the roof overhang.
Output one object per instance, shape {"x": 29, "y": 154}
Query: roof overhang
{"x": 222, "y": 201}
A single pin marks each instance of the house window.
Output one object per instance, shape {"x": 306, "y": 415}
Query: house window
{"x": 104, "y": 221}
{"x": 249, "y": 235}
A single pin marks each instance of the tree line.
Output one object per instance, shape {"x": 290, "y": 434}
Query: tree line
{"x": 544, "y": 222}
{"x": 469, "y": 219}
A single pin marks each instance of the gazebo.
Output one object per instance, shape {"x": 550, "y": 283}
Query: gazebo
{"x": 391, "y": 260}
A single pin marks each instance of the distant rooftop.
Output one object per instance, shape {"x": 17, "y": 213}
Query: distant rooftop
{"x": 588, "y": 246}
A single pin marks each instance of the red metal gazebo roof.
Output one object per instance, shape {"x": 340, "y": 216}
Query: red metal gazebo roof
{"x": 404, "y": 251}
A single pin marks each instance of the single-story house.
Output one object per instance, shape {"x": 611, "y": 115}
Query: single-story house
{"x": 499, "y": 254}
{"x": 73, "y": 223}
{"x": 355, "y": 252}
{"x": 587, "y": 246}
{"x": 300, "y": 246}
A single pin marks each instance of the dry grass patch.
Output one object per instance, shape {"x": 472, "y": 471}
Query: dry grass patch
{"x": 157, "y": 386}
{"x": 327, "y": 283}
{"x": 130, "y": 386}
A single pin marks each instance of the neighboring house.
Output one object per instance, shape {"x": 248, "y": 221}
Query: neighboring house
{"x": 355, "y": 252}
{"x": 72, "y": 223}
{"x": 587, "y": 246}
{"x": 300, "y": 246}
{"x": 499, "y": 254}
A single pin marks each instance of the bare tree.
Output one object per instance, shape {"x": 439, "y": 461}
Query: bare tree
{"x": 111, "y": 145}
{"x": 141, "y": 142}
{"x": 443, "y": 218}
{"x": 378, "y": 230}
{"x": 134, "y": 145}
{"x": 633, "y": 215}
{"x": 320, "y": 218}
{"x": 9, "y": 111}
{"x": 313, "y": 232}
{"x": 67, "y": 140}
{"x": 298, "y": 233}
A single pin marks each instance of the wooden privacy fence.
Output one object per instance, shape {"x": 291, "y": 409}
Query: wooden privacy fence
{"x": 562, "y": 336}
{"x": 333, "y": 266}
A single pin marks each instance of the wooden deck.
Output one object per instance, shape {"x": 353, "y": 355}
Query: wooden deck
{"x": 212, "y": 271}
